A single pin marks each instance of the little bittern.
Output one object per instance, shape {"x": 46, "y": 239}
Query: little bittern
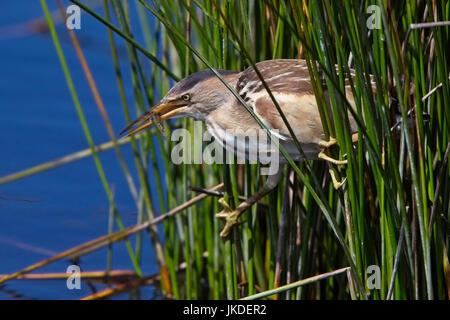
{"x": 204, "y": 97}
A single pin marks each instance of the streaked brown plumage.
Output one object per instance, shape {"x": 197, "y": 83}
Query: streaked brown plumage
{"x": 204, "y": 97}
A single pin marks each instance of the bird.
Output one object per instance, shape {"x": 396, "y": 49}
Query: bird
{"x": 203, "y": 96}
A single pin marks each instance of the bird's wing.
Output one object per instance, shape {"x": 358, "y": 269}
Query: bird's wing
{"x": 282, "y": 75}
{"x": 290, "y": 84}
{"x": 301, "y": 113}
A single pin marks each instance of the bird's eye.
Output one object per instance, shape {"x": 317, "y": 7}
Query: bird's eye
{"x": 186, "y": 97}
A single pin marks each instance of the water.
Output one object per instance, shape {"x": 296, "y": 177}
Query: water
{"x": 53, "y": 211}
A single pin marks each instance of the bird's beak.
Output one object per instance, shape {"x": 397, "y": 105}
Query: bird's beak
{"x": 162, "y": 111}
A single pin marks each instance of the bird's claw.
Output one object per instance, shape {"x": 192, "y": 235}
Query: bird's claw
{"x": 226, "y": 208}
{"x": 326, "y": 157}
{"x": 326, "y": 144}
{"x": 336, "y": 184}
{"x": 322, "y": 155}
{"x": 229, "y": 215}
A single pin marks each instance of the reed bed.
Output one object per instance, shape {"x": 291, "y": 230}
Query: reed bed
{"x": 305, "y": 240}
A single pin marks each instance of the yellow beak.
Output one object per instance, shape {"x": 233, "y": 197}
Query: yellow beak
{"x": 162, "y": 111}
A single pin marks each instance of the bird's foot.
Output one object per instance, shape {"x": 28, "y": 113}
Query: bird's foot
{"x": 336, "y": 183}
{"x": 326, "y": 157}
{"x": 230, "y": 216}
{"x": 322, "y": 155}
{"x": 326, "y": 144}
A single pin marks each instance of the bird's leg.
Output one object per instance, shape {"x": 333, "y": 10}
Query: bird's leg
{"x": 336, "y": 184}
{"x": 326, "y": 157}
{"x": 326, "y": 144}
{"x": 322, "y": 155}
{"x": 231, "y": 216}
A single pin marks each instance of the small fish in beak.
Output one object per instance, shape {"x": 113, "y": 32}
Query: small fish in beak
{"x": 156, "y": 119}
{"x": 162, "y": 111}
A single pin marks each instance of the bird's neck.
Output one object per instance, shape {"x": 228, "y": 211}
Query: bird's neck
{"x": 220, "y": 98}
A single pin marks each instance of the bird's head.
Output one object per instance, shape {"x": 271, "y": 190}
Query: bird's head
{"x": 195, "y": 96}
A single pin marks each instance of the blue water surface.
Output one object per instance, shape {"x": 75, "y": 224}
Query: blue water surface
{"x": 53, "y": 211}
